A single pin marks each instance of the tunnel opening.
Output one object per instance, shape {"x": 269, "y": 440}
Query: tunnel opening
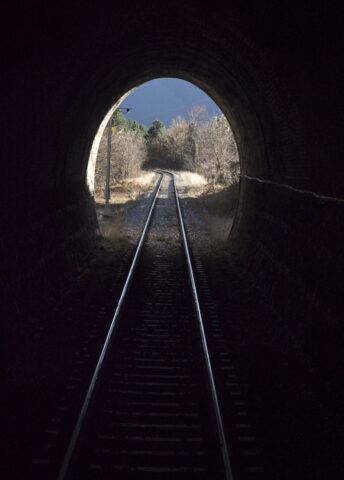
{"x": 195, "y": 141}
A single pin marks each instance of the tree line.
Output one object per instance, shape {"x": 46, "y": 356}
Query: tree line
{"x": 198, "y": 144}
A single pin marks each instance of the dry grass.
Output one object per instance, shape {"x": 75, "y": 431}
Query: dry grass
{"x": 193, "y": 180}
{"x": 128, "y": 189}
{"x": 197, "y": 185}
{"x": 144, "y": 181}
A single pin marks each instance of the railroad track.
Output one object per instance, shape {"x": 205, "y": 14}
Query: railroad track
{"x": 151, "y": 410}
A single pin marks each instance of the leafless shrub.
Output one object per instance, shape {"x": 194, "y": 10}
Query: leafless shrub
{"x": 128, "y": 153}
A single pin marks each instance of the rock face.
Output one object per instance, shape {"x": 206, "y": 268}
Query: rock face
{"x": 274, "y": 71}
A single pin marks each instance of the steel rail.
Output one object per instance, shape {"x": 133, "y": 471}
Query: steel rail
{"x": 221, "y": 432}
{"x": 83, "y": 411}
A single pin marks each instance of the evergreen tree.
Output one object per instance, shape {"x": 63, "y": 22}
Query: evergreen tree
{"x": 156, "y": 129}
{"x": 143, "y": 131}
{"x": 139, "y": 129}
{"x": 119, "y": 121}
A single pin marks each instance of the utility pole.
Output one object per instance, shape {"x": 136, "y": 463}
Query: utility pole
{"x": 107, "y": 194}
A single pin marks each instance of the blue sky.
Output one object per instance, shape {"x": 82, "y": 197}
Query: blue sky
{"x": 164, "y": 99}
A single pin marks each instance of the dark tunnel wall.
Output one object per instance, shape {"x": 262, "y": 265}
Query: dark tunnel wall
{"x": 275, "y": 72}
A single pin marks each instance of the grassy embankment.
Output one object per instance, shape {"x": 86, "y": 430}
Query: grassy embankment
{"x": 217, "y": 204}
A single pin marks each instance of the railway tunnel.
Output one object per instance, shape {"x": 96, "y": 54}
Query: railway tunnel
{"x": 273, "y": 70}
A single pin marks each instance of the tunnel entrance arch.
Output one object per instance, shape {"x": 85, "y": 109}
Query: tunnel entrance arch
{"x": 237, "y": 121}
{"x": 234, "y": 105}
{"x": 241, "y": 81}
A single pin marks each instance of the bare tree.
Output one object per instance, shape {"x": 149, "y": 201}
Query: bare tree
{"x": 217, "y": 150}
{"x": 198, "y": 115}
{"x": 200, "y": 145}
